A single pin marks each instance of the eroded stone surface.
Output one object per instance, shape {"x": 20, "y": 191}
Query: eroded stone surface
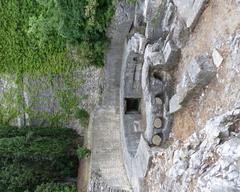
{"x": 175, "y": 104}
{"x": 138, "y": 43}
{"x": 201, "y": 70}
{"x": 198, "y": 74}
{"x": 208, "y": 159}
{"x": 217, "y": 58}
{"x": 171, "y": 55}
{"x": 190, "y": 10}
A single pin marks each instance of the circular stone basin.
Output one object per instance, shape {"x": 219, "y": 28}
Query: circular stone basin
{"x": 156, "y": 140}
{"x": 157, "y": 123}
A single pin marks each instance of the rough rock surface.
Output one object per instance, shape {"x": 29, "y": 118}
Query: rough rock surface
{"x": 161, "y": 47}
{"x": 222, "y": 94}
{"x": 198, "y": 74}
{"x": 207, "y": 161}
{"x": 187, "y": 47}
{"x": 190, "y": 10}
{"x": 41, "y": 97}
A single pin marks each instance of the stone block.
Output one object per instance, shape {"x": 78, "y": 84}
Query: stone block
{"x": 154, "y": 14}
{"x": 137, "y": 126}
{"x": 190, "y": 10}
{"x": 156, "y": 47}
{"x": 157, "y": 59}
{"x": 185, "y": 83}
{"x": 149, "y": 31}
{"x": 158, "y": 101}
{"x": 152, "y": 8}
{"x": 201, "y": 70}
{"x": 154, "y": 56}
{"x": 138, "y": 17}
{"x": 180, "y": 32}
{"x": 157, "y": 86}
{"x": 138, "y": 43}
{"x": 168, "y": 16}
{"x": 174, "y": 104}
{"x": 217, "y": 58}
{"x": 171, "y": 55}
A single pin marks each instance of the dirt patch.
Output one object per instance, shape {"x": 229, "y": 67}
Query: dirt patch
{"x": 219, "y": 22}
{"x": 83, "y": 175}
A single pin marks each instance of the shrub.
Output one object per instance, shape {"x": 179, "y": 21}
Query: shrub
{"x": 83, "y": 116}
{"x": 82, "y": 152}
{"x": 55, "y": 187}
{"x": 20, "y": 177}
{"x": 63, "y": 133}
{"x": 33, "y": 156}
{"x": 33, "y": 34}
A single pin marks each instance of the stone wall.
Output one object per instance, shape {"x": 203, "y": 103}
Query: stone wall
{"x": 50, "y": 100}
{"x": 160, "y": 30}
{"x": 107, "y": 171}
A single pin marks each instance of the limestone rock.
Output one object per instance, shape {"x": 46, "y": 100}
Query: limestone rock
{"x": 157, "y": 59}
{"x": 174, "y": 104}
{"x": 190, "y": 10}
{"x": 217, "y": 58}
{"x": 139, "y": 13}
{"x": 168, "y": 17}
{"x": 138, "y": 43}
{"x": 157, "y": 86}
{"x": 235, "y": 52}
{"x": 171, "y": 55}
{"x": 151, "y": 8}
{"x": 158, "y": 101}
{"x": 211, "y": 164}
{"x": 180, "y": 32}
{"x": 153, "y": 14}
{"x": 198, "y": 74}
{"x": 201, "y": 70}
{"x": 149, "y": 31}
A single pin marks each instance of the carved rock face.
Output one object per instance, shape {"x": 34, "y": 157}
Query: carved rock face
{"x": 157, "y": 86}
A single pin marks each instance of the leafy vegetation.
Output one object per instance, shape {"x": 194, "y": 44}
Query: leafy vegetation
{"x": 21, "y": 177}
{"x": 34, "y": 33}
{"x": 82, "y": 152}
{"x": 82, "y": 115}
{"x": 32, "y": 156}
{"x": 131, "y": 1}
{"x": 53, "y": 187}
{"x": 51, "y": 38}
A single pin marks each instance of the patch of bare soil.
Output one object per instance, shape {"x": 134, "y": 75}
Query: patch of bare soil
{"x": 219, "y": 22}
{"x": 83, "y": 174}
